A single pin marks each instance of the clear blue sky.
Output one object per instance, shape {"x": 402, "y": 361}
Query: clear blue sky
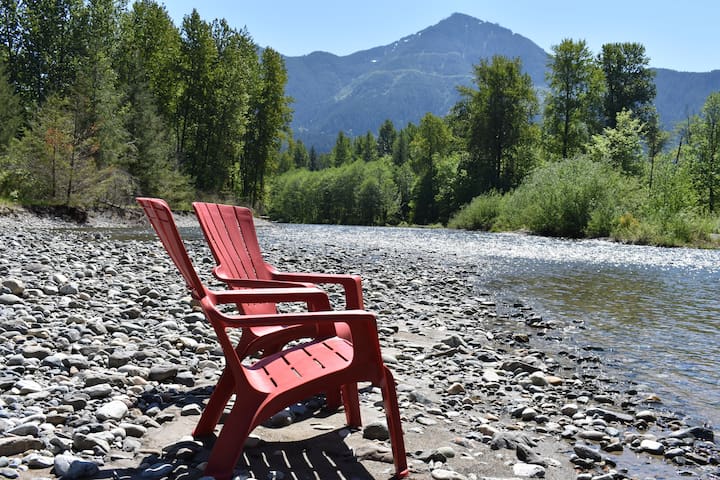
{"x": 681, "y": 35}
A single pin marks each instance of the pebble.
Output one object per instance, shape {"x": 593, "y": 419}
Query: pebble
{"x": 101, "y": 344}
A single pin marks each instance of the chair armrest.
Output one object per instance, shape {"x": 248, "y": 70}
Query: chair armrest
{"x": 283, "y": 319}
{"x": 352, "y": 284}
{"x": 313, "y": 296}
{"x": 255, "y": 283}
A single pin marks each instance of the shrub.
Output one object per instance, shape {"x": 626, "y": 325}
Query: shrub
{"x": 571, "y": 198}
{"x": 480, "y": 214}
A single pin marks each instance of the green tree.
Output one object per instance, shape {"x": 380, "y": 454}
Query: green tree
{"x": 499, "y": 118}
{"x": 270, "y": 116}
{"x": 365, "y": 147}
{"x": 53, "y": 162}
{"x": 656, "y": 140}
{"x": 573, "y": 103}
{"x": 386, "y": 138}
{"x": 704, "y": 163}
{"x": 10, "y": 38}
{"x": 621, "y": 146}
{"x": 629, "y": 81}
{"x": 149, "y": 55}
{"x": 10, "y": 110}
{"x": 429, "y": 145}
{"x": 342, "y": 151}
{"x": 95, "y": 95}
{"x": 401, "y": 148}
{"x": 219, "y": 65}
{"x": 50, "y": 46}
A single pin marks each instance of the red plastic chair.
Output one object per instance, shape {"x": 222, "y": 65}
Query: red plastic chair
{"x": 232, "y": 238}
{"x": 290, "y": 375}
{"x": 230, "y": 233}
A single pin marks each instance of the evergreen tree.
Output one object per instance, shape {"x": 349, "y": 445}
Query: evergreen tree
{"x": 386, "y": 138}
{"x": 342, "y": 151}
{"x": 301, "y": 158}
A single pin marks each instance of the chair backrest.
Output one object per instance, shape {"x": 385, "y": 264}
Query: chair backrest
{"x": 230, "y": 231}
{"x": 162, "y": 221}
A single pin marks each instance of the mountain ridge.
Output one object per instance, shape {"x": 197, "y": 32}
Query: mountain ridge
{"x": 420, "y": 73}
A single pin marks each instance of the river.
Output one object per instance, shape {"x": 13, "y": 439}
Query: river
{"x": 652, "y": 314}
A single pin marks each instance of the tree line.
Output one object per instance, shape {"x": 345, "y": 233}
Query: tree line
{"x": 585, "y": 157}
{"x": 99, "y": 103}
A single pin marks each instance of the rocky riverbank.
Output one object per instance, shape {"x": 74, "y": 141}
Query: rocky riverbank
{"x": 105, "y": 365}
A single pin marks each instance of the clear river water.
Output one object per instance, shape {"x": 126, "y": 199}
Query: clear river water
{"x": 652, "y": 314}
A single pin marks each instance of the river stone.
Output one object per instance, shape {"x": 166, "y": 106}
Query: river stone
{"x": 28, "y": 386}
{"x": 443, "y": 474}
{"x": 646, "y": 415}
{"x": 10, "y": 299}
{"x": 583, "y": 451}
{"x": 71, "y": 468}
{"x": 25, "y": 429}
{"x": 376, "y": 431}
{"x": 527, "y": 470}
{"x": 35, "y": 460}
{"x": 701, "y": 433}
{"x": 16, "y": 286}
{"x": 161, "y": 373}
{"x": 652, "y": 447}
{"x": 91, "y": 441}
{"x": 18, "y": 445}
{"x": 101, "y": 390}
{"x": 10, "y": 473}
{"x": 36, "y": 351}
{"x": 68, "y": 289}
{"x": 114, "y": 410}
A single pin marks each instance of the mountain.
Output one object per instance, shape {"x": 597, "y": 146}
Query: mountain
{"x": 420, "y": 73}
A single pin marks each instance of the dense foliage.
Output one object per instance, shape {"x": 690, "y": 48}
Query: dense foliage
{"x": 102, "y": 103}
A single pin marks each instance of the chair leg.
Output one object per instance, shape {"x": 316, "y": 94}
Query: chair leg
{"x": 392, "y": 414}
{"x": 231, "y": 441}
{"x": 215, "y": 406}
{"x": 351, "y": 400}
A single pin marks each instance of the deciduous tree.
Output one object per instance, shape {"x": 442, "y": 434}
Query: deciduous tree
{"x": 704, "y": 161}
{"x": 573, "y": 104}
{"x": 499, "y": 118}
{"x": 628, "y": 79}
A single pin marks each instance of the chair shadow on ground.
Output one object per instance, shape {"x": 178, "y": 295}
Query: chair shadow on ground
{"x": 324, "y": 456}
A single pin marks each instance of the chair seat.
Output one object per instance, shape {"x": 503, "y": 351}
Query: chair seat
{"x": 300, "y": 365}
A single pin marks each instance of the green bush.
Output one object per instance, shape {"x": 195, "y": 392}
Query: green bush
{"x": 571, "y": 198}
{"x": 358, "y": 193}
{"x": 480, "y": 214}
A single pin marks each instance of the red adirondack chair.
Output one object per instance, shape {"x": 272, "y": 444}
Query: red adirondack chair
{"x": 232, "y": 238}
{"x": 288, "y": 376}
